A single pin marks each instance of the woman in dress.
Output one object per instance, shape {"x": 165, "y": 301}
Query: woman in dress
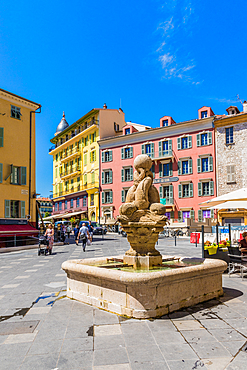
{"x": 243, "y": 245}
{"x": 50, "y": 235}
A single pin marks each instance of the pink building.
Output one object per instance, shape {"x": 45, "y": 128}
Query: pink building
{"x": 183, "y": 165}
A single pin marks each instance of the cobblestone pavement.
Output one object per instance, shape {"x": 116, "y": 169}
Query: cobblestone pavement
{"x": 42, "y": 329}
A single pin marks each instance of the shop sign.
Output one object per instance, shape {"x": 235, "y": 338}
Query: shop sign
{"x": 165, "y": 179}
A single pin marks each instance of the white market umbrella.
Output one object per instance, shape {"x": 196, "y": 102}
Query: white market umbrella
{"x": 232, "y": 204}
{"x": 238, "y": 195}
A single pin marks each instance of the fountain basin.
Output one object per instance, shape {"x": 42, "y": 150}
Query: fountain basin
{"x": 143, "y": 295}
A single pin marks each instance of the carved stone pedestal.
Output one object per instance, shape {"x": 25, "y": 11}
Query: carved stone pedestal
{"x": 142, "y": 262}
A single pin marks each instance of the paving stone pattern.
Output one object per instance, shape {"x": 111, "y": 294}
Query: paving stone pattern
{"x": 42, "y": 329}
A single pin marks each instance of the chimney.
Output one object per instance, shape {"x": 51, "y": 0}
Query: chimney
{"x": 105, "y": 106}
{"x": 245, "y": 106}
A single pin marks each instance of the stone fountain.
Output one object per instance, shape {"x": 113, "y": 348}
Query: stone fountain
{"x": 148, "y": 288}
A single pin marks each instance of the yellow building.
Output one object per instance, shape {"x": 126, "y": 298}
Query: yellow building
{"x": 76, "y": 173}
{"x": 17, "y": 161}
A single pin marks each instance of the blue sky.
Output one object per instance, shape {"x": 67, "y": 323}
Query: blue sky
{"x": 159, "y": 57}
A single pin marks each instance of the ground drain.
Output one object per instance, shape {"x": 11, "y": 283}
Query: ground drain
{"x": 7, "y": 328}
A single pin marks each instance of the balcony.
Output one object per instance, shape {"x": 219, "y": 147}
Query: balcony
{"x": 70, "y": 154}
{"x": 70, "y": 172}
{"x": 75, "y": 189}
{"x": 163, "y": 154}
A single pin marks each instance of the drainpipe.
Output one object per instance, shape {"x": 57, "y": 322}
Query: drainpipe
{"x": 30, "y": 158}
{"x": 215, "y": 162}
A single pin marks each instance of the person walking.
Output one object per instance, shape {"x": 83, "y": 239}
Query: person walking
{"x": 84, "y": 234}
{"x": 50, "y": 236}
{"x": 76, "y": 232}
{"x": 68, "y": 229}
{"x": 90, "y": 229}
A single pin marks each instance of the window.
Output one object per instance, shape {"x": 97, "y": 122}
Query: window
{"x": 229, "y": 135}
{"x": 165, "y": 169}
{"x": 205, "y": 164}
{"x": 15, "y": 112}
{"x": 168, "y": 215}
{"x": 206, "y": 213}
{"x": 127, "y": 152}
{"x": 18, "y": 175}
{"x": 66, "y": 204}
{"x": 85, "y": 179}
{"x": 184, "y": 142}
{"x": 185, "y": 190}
{"x": 86, "y": 140}
{"x": 204, "y": 138}
{"x": 205, "y": 188}
{"x": 185, "y": 167}
{"x": 107, "y": 177}
{"x": 94, "y": 137}
{"x": 1, "y": 173}
{"x": 71, "y": 203}
{"x": 91, "y": 199}
{"x": 166, "y": 192}
{"x": 204, "y": 114}
{"x": 14, "y": 209}
{"x": 186, "y": 214}
{"x": 165, "y": 122}
{"x": 84, "y": 201}
{"x": 60, "y": 206}
{"x": 116, "y": 126}
{"x": 107, "y": 197}
{"x": 85, "y": 159}
{"x": 106, "y": 156}
{"x": 124, "y": 194}
{"x": 165, "y": 148}
{"x": 93, "y": 156}
{"x": 56, "y": 206}
{"x": 230, "y": 174}
{"x": 127, "y": 174}
{"x": 77, "y": 202}
{"x": 1, "y": 137}
{"x": 127, "y": 131}
{"x": 93, "y": 177}
{"x": 148, "y": 149}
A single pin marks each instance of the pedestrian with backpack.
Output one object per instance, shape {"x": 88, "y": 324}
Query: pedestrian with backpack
{"x": 84, "y": 235}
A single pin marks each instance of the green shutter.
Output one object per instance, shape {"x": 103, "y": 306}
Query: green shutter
{"x": 122, "y": 153}
{"x": 160, "y": 149}
{"x": 161, "y": 191}
{"x": 1, "y": 172}
{"x": 152, "y": 150}
{"x": 23, "y": 176}
{"x": 179, "y": 143}
{"x": 103, "y": 177}
{"x": 199, "y": 168}
{"x": 7, "y": 208}
{"x": 23, "y": 212}
{"x": 170, "y": 169}
{"x": 110, "y": 177}
{"x": 153, "y": 170}
{"x": 210, "y": 140}
{"x": 143, "y": 148}
{"x": 212, "y": 213}
{"x": 199, "y": 189}
{"x": 190, "y": 141}
{"x": 85, "y": 159}
{"x": 90, "y": 138}
{"x": 172, "y": 214}
{"x": 111, "y": 197}
{"x": 102, "y": 157}
{"x": 122, "y": 174}
{"x": 171, "y": 193}
{"x": 198, "y": 140}
{"x": 179, "y": 167}
{"x": 122, "y": 194}
{"x": 131, "y": 152}
{"x": 190, "y": 166}
{"x": 160, "y": 170}
{"x": 110, "y": 155}
{"x": 199, "y": 215}
{"x": 1, "y": 137}
{"x": 170, "y": 145}
{"x": 210, "y": 163}
{"x": 192, "y": 214}
{"x": 211, "y": 187}
{"x": 191, "y": 190}
{"x": 180, "y": 216}
{"x": 131, "y": 174}
{"x": 180, "y": 191}
{"x": 103, "y": 198}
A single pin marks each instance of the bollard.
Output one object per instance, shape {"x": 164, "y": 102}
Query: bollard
{"x": 175, "y": 239}
{"x": 202, "y": 241}
{"x": 230, "y": 236}
{"x": 217, "y": 234}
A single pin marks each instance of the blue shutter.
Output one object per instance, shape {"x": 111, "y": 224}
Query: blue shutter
{"x": 122, "y": 153}
{"x": 1, "y": 172}
{"x": 199, "y": 215}
{"x": 198, "y": 140}
{"x": 7, "y": 208}
{"x": 103, "y": 177}
{"x": 160, "y": 170}
{"x": 210, "y": 140}
{"x": 211, "y": 187}
{"x": 170, "y": 169}
{"x": 23, "y": 212}
{"x": 122, "y": 174}
{"x": 103, "y": 197}
{"x": 190, "y": 166}
{"x": 160, "y": 149}
{"x": 199, "y": 168}
{"x": 210, "y": 163}
{"x": 23, "y": 176}
{"x": 179, "y": 167}
{"x": 191, "y": 190}
{"x": 143, "y": 148}
{"x": 199, "y": 189}
{"x": 180, "y": 191}
{"x": 161, "y": 191}
{"x": 110, "y": 177}
{"x": 110, "y": 155}
{"x": 179, "y": 143}
{"x": 102, "y": 157}
{"x": 1, "y": 136}
{"x": 190, "y": 141}
{"x": 122, "y": 194}
{"x": 131, "y": 174}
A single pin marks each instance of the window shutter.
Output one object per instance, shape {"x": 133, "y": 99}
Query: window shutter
{"x": 122, "y": 193}
{"x": 103, "y": 177}
{"x": 198, "y": 140}
{"x": 179, "y": 143}
{"x": 152, "y": 150}
{"x": 85, "y": 159}
{"x": 122, "y": 153}
{"x": 180, "y": 216}
{"x": 1, "y": 136}
{"x": 131, "y": 152}
{"x": 199, "y": 215}
{"x": 143, "y": 148}
{"x": 171, "y": 193}
{"x": 1, "y": 172}
{"x": 160, "y": 148}
{"x": 191, "y": 190}
{"x": 110, "y": 155}
{"x": 210, "y": 163}
{"x": 122, "y": 174}
{"x": 7, "y": 208}
{"x": 211, "y": 187}
{"x": 179, "y": 167}
{"x": 190, "y": 141}
{"x": 180, "y": 191}
{"x": 190, "y": 166}
{"x": 170, "y": 169}
{"x": 161, "y": 191}
{"x": 212, "y": 213}
{"x": 131, "y": 174}
{"x": 153, "y": 170}
{"x": 23, "y": 212}
{"x": 102, "y": 157}
{"x": 160, "y": 170}
{"x": 170, "y": 145}
{"x": 192, "y": 214}
{"x": 199, "y": 168}
{"x": 199, "y": 189}
{"x": 90, "y": 138}
{"x": 103, "y": 197}
{"x": 23, "y": 175}
{"x": 110, "y": 196}
{"x": 172, "y": 214}
{"x": 110, "y": 172}
{"x": 210, "y": 140}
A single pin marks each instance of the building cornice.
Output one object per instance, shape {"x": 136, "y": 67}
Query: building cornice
{"x": 230, "y": 120}
{"x": 16, "y": 99}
